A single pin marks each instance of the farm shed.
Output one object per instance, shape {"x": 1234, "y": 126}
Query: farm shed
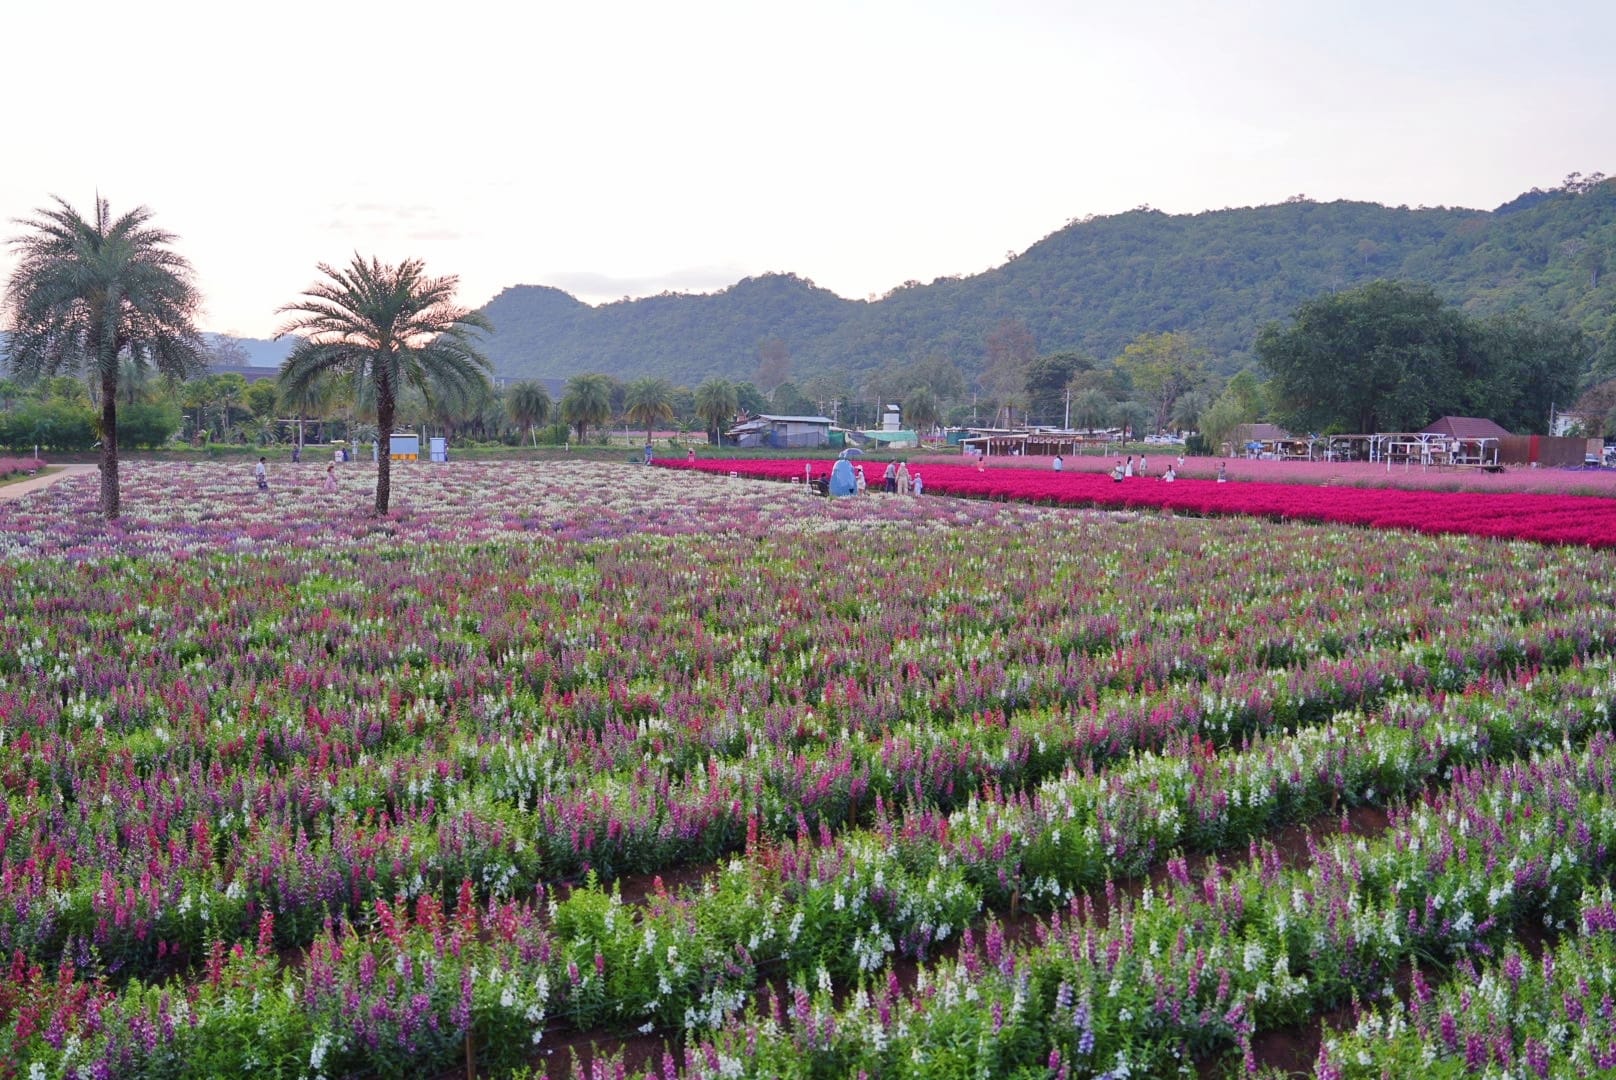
{"x": 782, "y": 432}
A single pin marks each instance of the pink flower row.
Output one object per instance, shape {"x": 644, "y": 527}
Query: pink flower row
{"x": 1555, "y": 519}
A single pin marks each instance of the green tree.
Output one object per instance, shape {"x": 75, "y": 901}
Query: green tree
{"x": 527, "y": 403}
{"x": 921, "y": 412}
{"x": 1010, "y": 347}
{"x": 1047, "y": 380}
{"x": 1092, "y": 409}
{"x": 938, "y": 374}
{"x": 587, "y": 402}
{"x": 787, "y": 400}
{"x": 87, "y": 293}
{"x": 716, "y": 405}
{"x": 1242, "y": 402}
{"x": 1163, "y": 368}
{"x": 648, "y": 401}
{"x": 1388, "y": 356}
{"x": 146, "y": 425}
{"x": 1134, "y": 416}
{"x": 388, "y": 327}
{"x": 229, "y": 388}
{"x": 51, "y": 424}
{"x": 262, "y": 399}
{"x": 1531, "y": 365}
{"x": 749, "y": 399}
{"x": 309, "y": 401}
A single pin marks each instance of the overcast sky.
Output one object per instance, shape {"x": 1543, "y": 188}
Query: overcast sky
{"x": 628, "y": 148}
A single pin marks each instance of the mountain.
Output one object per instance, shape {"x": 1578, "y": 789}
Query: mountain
{"x": 257, "y": 352}
{"x": 1096, "y": 284}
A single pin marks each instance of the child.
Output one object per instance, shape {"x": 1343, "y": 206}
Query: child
{"x": 261, "y": 473}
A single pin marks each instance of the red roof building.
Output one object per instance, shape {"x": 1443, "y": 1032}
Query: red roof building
{"x": 1465, "y": 427}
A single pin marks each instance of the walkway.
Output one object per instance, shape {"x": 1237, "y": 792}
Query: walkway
{"x": 38, "y": 483}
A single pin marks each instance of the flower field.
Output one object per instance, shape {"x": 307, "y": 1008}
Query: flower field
{"x": 1544, "y": 518}
{"x": 14, "y": 466}
{"x": 944, "y": 787}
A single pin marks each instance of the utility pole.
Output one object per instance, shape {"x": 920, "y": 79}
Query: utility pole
{"x": 1066, "y": 424}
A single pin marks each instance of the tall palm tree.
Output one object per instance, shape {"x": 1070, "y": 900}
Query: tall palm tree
{"x": 389, "y": 327}
{"x": 649, "y": 401}
{"x": 716, "y": 403}
{"x": 87, "y": 293}
{"x": 921, "y": 411}
{"x": 527, "y": 403}
{"x": 311, "y": 401}
{"x": 587, "y": 402}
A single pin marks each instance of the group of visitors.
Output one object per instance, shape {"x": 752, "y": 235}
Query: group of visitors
{"x": 848, "y": 479}
{"x": 1124, "y": 469}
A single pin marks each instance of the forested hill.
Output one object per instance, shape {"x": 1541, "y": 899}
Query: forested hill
{"x": 1095, "y": 285}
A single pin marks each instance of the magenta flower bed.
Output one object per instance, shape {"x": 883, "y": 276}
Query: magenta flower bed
{"x": 11, "y": 466}
{"x": 1554, "y": 519}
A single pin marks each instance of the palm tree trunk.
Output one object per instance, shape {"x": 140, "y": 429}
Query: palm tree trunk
{"x": 109, "y": 444}
{"x": 384, "y": 462}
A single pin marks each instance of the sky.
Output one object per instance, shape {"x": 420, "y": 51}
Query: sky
{"x": 630, "y": 148}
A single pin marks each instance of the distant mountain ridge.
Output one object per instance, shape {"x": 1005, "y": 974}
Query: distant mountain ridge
{"x": 1093, "y": 286}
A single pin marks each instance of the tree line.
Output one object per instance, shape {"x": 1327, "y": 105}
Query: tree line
{"x": 108, "y": 298}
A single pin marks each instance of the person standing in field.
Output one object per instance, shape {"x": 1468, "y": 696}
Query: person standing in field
{"x": 1058, "y": 463}
{"x": 862, "y": 483}
{"x": 889, "y": 480}
{"x": 903, "y": 478}
{"x": 1223, "y": 472}
{"x": 261, "y": 474}
{"x": 1127, "y": 469}
{"x": 331, "y": 478}
{"x": 920, "y": 485}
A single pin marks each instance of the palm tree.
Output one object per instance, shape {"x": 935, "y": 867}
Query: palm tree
{"x": 648, "y": 401}
{"x": 528, "y": 405}
{"x": 85, "y": 294}
{"x": 587, "y": 402}
{"x": 920, "y": 410}
{"x": 1092, "y": 409}
{"x": 716, "y": 403}
{"x": 389, "y": 327}
{"x": 311, "y": 401}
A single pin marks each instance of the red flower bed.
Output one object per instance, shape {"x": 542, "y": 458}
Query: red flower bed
{"x": 1554, "y": 519}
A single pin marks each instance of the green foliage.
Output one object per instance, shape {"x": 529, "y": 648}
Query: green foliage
{"x": 528, "y": 405}
{"x": 1092, "y": 409}
{"x": 52, "y": 424}
{"x": 262, "y": 399}
{"x": 1390, "y": 356}
{"x": 587, "y": 402}
{"x": 148, "y": 426}
{"x": 920, "y": 410}
{"x": 716, "y": 405}
{"x": 1163, "y": 368}
{"x": 788, "y": 400}
{"x": 1047, "y": 380}
{"x": 1096, "y": 285}
{"x": 648, "y": 402}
